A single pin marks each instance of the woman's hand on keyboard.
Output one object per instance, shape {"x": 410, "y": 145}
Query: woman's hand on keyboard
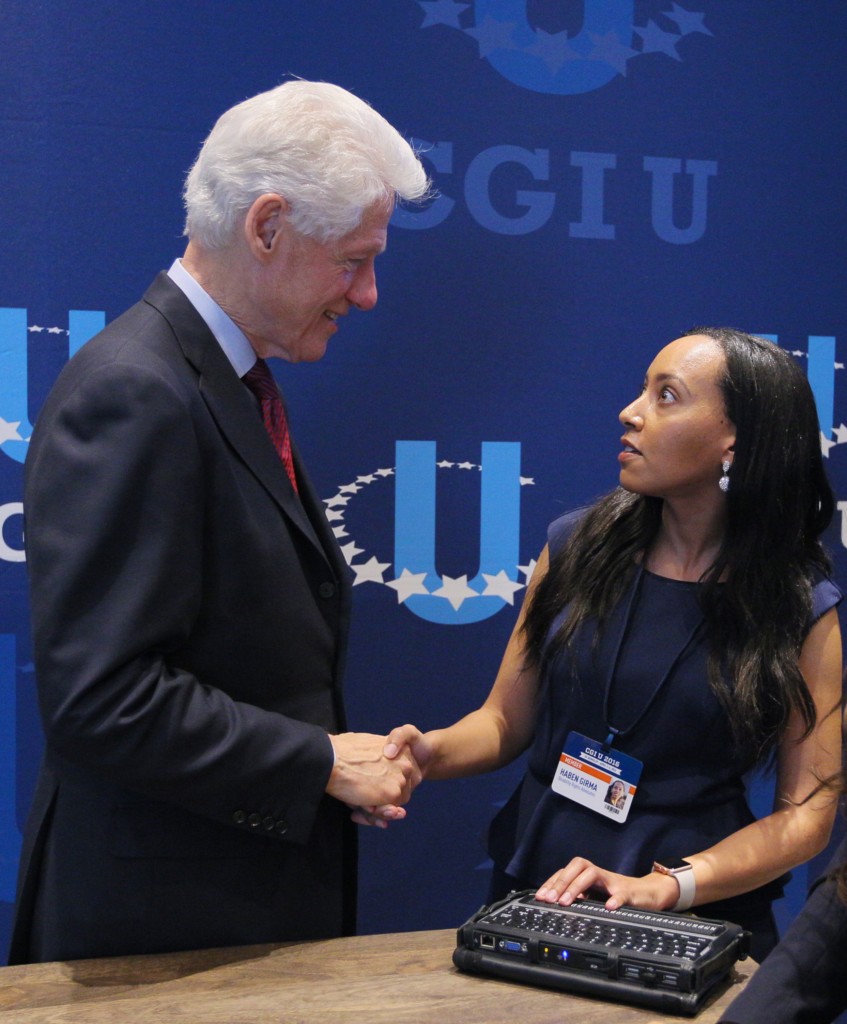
{"x": 578, "y": 878}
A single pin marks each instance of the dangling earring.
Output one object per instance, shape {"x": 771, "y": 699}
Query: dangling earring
{"x": 723, "y": 483}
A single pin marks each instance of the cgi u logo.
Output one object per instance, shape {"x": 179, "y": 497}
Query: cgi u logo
{"x": 15, "y": 427}
{"x": 564, "y": 56}
{"x": 414, "y": 532}
{"x": 519, "y": 64}
{"x": 821, "y": 374}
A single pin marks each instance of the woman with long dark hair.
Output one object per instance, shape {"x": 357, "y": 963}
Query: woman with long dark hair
{"x": 675, "y": 634}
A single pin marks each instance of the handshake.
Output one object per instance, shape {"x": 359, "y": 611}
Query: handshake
{"x": 376, "y": 775}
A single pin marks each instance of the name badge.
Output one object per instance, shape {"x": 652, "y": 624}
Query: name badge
{"x": 600, "y": 778}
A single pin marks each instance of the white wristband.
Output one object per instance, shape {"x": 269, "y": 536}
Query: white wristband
{"x": 683, "y": 872}
{"x": 687, "y": 888}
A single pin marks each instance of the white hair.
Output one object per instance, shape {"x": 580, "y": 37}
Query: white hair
{"x": 326, "y": 152}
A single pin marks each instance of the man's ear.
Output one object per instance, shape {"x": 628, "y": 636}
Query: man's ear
{"x": 264, "y": 223}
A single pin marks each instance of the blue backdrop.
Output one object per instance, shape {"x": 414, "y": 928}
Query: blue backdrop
{"x": 611, "y": 173}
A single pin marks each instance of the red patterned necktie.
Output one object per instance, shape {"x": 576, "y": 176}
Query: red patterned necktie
{"x": 261, "y": 382}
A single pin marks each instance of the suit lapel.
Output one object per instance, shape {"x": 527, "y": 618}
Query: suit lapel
{"x": 234, "y": 410}
{"x": 317, "y": 516}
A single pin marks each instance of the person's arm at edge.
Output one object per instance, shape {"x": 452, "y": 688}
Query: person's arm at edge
{"x": 803, "y": 979}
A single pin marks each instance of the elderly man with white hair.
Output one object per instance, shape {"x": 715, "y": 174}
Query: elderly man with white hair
{"x": 189, "y": 602}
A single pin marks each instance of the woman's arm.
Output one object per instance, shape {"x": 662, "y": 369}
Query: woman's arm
{"x": 797, "y": 829}
{"x": 495, "y": 733}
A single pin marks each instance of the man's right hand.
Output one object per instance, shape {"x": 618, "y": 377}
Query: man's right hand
{"x": 364, "y": 777}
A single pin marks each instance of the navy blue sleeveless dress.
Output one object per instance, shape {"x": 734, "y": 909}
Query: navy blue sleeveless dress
{"x": 647, "y": 680}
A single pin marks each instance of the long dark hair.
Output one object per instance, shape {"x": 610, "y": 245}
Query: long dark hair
{"x": 757, "y": 596}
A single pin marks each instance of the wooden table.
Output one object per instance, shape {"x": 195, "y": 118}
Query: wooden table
{"x": 401, "y": 978}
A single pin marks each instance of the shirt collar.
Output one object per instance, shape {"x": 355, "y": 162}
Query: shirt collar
{"x": 229, "y": 336}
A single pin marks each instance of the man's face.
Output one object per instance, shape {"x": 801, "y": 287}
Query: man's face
{"x": 306, "y": 286}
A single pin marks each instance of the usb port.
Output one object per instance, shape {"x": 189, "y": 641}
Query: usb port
{"x": 486, "y": 941}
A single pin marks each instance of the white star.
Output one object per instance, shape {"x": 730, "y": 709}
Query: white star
{"x": 370, "y": 571}
{"x": 501, "y": 586}
{"x": 840, "y": 434}
{"x": 9, "y": 431}
{"x": 349, "y": 489}
{"x": 385, "y": 472}
{"x": 839, "y": 366}
{"x": 688, "y": 21}
{"x": 656, "y": 40}
{"x": 369, "y": 479}
{"x": 35, "y": 329}
{"x": 797, "y": 352}
{"x": 529, "y": 569}
{"x": 527, "y": 480}
{"x": 337, "y": 500}
{"x": 553, "y": 49}
{"x": 493, "y": 35}
{"x": 350, "y": 551}
{"x": 334, "y": 514}
{"x": 467, "y": 465}
{"x": 442, "y": 12}
{"x": 55, "y": 330}
{"x": 340, "y": 531}
{"x": 444, "y": 464}
{"x": 826, "y": 445}
{"x": 408, "y": 583}
{"x": 456, "y": 591}
{"x": 610, "y": 50}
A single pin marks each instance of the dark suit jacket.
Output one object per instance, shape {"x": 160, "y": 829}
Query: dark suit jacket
{"x": 803, "y": 981}
{"x": 189, "y": 627}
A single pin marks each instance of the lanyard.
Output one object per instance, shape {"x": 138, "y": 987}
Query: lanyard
{"x": 632, "y": 601}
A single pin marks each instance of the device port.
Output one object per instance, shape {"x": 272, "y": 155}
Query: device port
{"x": 486, "y": 942}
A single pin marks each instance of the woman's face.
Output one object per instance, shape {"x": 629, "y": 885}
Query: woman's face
{"x": 617, "y": 790}
{"x": 677, "y": 431}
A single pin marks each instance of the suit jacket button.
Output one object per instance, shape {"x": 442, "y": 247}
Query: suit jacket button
{"x": 327, "y": 590}
{"x": 239, "y": 817}
{"x": 255, "y": 820}
{"x": 281, "y": 827}
{"x": 268, "y": 823}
